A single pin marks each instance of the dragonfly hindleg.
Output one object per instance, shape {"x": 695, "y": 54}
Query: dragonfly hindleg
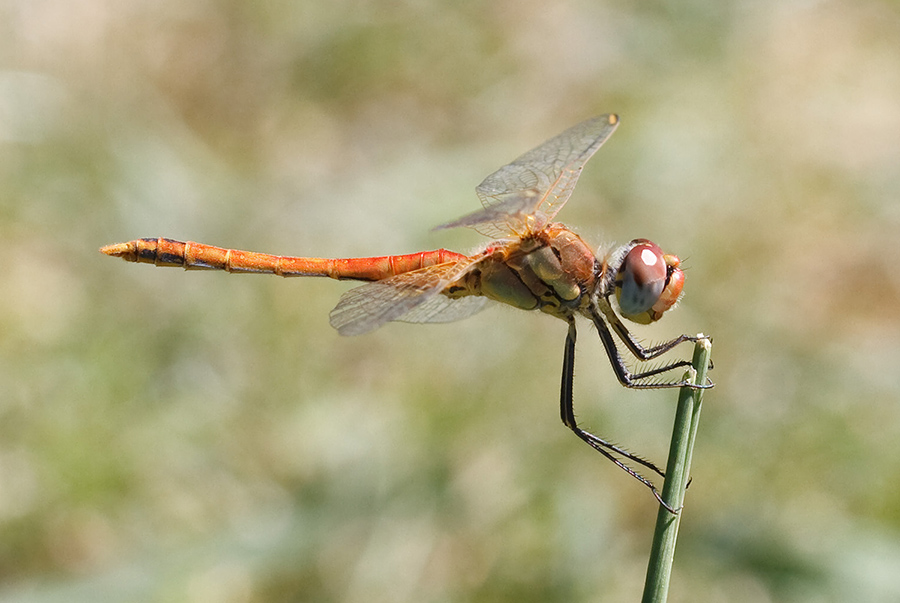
{"x": 607, "y": 449}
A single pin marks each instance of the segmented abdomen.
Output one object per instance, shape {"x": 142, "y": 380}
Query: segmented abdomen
{"x": 197, "y": 256}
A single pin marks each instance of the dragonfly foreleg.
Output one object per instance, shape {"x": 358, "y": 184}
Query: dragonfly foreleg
{"x": 634, "y": 346}
{"x": 607, "y": 449}
{"x": 639, "y": 380}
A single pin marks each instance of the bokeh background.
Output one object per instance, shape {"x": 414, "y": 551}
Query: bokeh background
{"x": 208, "y": 437}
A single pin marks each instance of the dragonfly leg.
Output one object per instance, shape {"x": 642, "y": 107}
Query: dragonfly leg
{"x": 636, "y": 348}
{"x": 607, "y": 449}
{"x": 639, "y": 380}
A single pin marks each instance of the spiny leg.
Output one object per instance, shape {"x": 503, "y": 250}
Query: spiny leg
{"x": 633, "y": 380}
{"x": 567, "y": 413}
{"x": 634, "y": 346}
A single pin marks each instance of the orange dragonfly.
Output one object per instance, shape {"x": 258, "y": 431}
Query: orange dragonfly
{"x": 533, "y": 264}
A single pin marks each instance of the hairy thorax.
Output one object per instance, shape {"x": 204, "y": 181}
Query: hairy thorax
{"x": 553, "y": 271}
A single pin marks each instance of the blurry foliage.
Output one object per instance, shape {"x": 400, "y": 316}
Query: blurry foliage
{"x": 170, "y": 436}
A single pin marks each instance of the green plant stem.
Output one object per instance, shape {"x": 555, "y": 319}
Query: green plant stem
{"x": 687, "y": 415}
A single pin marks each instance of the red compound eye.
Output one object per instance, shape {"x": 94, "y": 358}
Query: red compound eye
{"x": 648, "y": 283}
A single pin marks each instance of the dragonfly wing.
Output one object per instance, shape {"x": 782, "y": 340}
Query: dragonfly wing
{"x": 538, "y": 184}
{"x": 366, "y": 308}
{"x": 440, "y": 308}
{"x": 499, "y": 220}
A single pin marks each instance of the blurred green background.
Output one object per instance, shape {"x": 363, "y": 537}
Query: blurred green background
{"x": 208, "y": 437}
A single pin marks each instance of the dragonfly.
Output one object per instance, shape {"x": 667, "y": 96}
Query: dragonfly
{"x": 533, "y": 263}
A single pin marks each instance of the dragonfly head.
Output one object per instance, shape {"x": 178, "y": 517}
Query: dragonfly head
{"x": 648, "y": 282}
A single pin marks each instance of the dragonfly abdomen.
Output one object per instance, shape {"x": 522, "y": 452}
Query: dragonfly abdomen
{"x": 382, "y": 267}
{"x": 197, "y": 256}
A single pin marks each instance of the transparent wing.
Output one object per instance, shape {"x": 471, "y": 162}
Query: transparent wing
{"x": 526, "y": 194}
{"x": 547, "y": 174}
{"x": 513, "y": 216}
{"x": 366, "y": 308}
{"x": 440, "y": 308}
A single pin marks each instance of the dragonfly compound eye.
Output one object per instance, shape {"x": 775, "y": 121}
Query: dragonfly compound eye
{"x": 648, "y": 282}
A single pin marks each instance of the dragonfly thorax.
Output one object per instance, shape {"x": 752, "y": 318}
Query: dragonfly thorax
{"x": 552, "y": 271}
